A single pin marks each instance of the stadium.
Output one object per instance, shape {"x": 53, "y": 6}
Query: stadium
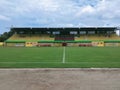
{"x": 59, "y": 45}
{"x": 48, "y": 37}
{"x": 67, "y": 47}
{"x": 86, "y": 58}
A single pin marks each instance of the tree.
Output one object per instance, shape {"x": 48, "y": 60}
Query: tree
{"x": 6, "y": 35}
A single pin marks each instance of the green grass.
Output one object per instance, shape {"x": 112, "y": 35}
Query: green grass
{"x": 52, "y": 57}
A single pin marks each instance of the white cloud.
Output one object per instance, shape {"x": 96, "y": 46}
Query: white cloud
{"x": 38, "y": 5}
{"x": 60, "y": 12}
{"x": 85, "y": 10}
{"x": 4, "y": 18}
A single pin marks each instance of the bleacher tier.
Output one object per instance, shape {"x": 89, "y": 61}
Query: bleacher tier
{"x": 31, "y": 38}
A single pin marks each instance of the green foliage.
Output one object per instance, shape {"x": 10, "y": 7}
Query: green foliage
{"x": 5, "y": 35}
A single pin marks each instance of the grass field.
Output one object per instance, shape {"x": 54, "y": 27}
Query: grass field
{"x": 60, "y": 57}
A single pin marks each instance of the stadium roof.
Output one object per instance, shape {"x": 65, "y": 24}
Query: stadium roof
{"x": 63, "y": 28}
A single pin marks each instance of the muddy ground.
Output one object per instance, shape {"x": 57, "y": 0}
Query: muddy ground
{"x": 60, "y": 79}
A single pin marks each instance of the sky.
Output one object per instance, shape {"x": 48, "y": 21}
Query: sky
{"x": 58, "y": 13}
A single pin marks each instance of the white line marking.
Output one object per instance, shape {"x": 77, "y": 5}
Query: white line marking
{"x": 30, "y": 62}
{"x": 58, "y": 62}
{"x": 63, "y": 61}
{"x": 55, "y": 62}
{"x": 60, "y": 69}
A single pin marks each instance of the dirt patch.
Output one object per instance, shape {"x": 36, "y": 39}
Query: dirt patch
{"x": 60, "y": 79}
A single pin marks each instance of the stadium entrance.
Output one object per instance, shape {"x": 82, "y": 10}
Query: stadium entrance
{"x": 64, "y": 44}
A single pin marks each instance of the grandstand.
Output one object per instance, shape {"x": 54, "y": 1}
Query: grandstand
{"x": 96, "y": 37}
{"x": 30, "y": 38}
{"x": 84, "y": 36}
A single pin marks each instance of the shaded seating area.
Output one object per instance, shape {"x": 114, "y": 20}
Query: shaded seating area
{"x": 65, "y": 37}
